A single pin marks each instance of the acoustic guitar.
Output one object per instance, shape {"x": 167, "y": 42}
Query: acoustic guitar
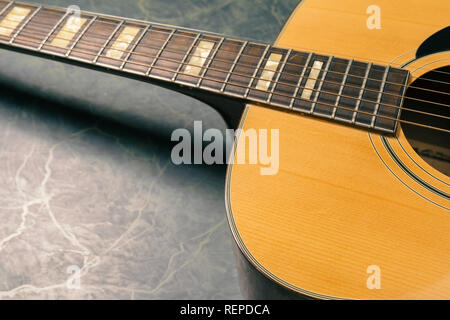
{"x": 360, "y": 93}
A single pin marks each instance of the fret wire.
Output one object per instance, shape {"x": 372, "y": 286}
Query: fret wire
{"x": 337, "y": 73}
{"x": 110, "y": 17}
{"x": 82, "y": 33}
{"x": 388, "y": 130}
{"x": 234, "y": 65}
{"x": 380, "y": 94}
{"x": 37, "y": 9}
{"x": 138, "y": 40}
{"x": 297, "y": 87}
{"x": 160, "y": 51}
{"x": 344, "y": 108}
{"x": 138, "y": 21}
{"x": 180, "y": 35}
{"x": 86, "y": 12}
{"x": 108, "y": 41}
{"x": 350, "y": 97}
{"x": 6, "y": 8}
{"x": 361, "y": 92}
{"x": 307, "y": 68}
{"x": 256, "y": 70}
{"x": 157, "y": 31}
{"x": 76, "y": 42}
{"x": 135, "y": 20}
{"x": 188, "y": 52}
{"x": 215, "y": 80}
{"x": 322, "y": 79}
{"x": 341, "y": 88}
{"x": 208, "y": 63}
{"x": 340, "y": 107}
{"x": 53, "y": 30}
{"x": 106, "y": 16}
{"x": 106, "y": 22}
{"x": 275, "y": 83}
{"x": 115, "y": 18}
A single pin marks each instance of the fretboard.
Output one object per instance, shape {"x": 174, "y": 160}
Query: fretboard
{"x": 363, "y": 94}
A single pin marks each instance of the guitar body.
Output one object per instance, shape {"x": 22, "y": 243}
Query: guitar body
{"x": 348, "y": 205}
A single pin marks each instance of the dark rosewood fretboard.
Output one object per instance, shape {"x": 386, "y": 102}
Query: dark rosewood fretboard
{"x": 360, "y": 93}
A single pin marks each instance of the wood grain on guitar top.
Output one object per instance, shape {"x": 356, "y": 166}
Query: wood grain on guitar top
{"x": 340, "y": 203}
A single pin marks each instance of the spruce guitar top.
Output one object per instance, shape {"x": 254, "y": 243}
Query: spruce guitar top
{"x": 359, "y": 92}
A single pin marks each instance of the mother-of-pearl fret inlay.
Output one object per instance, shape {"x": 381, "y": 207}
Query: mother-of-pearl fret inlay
{"x": 312, "y": 79}
{"x": 269, "y": 71}
{"x": 199, "y": 57}
{"x": 122, "y": 43}
{"x": 13, "y": 20}
{"x": 68, "y": 32}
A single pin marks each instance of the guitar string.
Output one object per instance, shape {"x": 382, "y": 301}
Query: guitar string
{"x": 109, "y": 21}
{"x": 329, "y": 71}
{"x": 320, "y": 81}
{"x": 322, "y": 91}
{"x": 256, "y": 57}
{"x": 354, "y": 111}
{"x": 296, "y": 98}
{"x": 290, "y": 97}
{"x": 275, "y": 72}
{"x": 243, "y": 55}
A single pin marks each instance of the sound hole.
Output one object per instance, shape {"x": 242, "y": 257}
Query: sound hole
{"x": 430, "y": 93}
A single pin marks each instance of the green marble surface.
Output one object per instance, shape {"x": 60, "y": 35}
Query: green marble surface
{"x": 86, "y": 177}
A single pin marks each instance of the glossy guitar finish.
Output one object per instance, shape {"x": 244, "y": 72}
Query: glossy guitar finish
{"x": 345, "y": 199}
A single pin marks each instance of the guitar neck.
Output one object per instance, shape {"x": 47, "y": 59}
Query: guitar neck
{"x": 360, "y": 93}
